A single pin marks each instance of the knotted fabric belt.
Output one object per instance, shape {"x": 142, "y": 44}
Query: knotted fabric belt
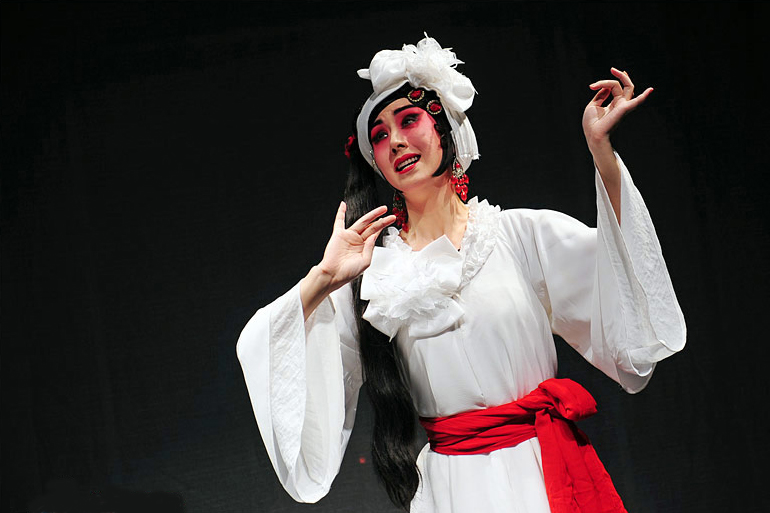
{"x": 575, "y": 479}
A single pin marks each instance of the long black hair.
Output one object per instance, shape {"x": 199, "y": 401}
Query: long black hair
{"x": 394, "y": 450}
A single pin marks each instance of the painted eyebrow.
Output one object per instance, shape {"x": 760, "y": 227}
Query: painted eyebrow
{"x": 403, "y": 108}
{"x": 379, "y": 121}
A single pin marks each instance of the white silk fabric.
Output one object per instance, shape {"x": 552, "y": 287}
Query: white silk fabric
{"x": 479, "y": 335}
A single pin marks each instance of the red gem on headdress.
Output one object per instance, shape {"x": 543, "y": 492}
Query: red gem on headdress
{"x": 434, "y": 107}
{"x": 415, "y": 95}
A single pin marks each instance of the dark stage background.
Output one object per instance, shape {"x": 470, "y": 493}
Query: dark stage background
{"x": 168, "y": 168}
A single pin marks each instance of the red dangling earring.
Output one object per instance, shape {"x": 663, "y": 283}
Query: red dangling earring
{"x": 399, "y": 210}
{"x": 459, "y": 180}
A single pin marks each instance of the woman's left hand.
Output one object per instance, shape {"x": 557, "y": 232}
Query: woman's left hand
{"x": 599, "y": 121}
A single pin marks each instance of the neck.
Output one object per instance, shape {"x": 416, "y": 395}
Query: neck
{"x": 435, "y": 211}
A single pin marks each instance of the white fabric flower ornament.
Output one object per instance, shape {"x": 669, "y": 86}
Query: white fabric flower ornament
{"x": 424, "y": 65}
{"x": 413, "y": 290}
{"x": 416, "y": 291}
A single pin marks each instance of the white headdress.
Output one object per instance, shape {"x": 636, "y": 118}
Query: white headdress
{"x": 426, "y": 66}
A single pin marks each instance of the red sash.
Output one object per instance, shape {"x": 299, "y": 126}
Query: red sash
{"x": 575, "y": 479}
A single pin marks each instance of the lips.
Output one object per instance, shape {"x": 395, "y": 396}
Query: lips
{"x": 406, "y": 163}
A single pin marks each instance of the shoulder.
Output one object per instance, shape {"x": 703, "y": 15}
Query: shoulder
{"x": 534, "y": 220}
{"x": 541, "y": 227}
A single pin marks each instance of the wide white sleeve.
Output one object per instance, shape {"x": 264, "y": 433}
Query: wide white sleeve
{"x": 303, "y": 379}
{"x": 607, "y": 289}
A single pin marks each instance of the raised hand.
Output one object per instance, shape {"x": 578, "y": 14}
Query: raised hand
{"x": 349, "y": 250}
{"x": 348, "y": 253}
{"x": 599, "y": 120}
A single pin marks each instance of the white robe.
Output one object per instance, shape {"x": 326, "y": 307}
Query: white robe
{"x": 474, "y": 330}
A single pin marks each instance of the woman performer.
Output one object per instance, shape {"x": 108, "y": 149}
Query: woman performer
{"x": 452, "y": 318}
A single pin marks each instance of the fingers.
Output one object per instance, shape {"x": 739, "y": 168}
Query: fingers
{"x": 639, "y": 99}
{"x": 600, "y": 96}
{"x": 369, "y": 245}
{"x": 628, "y": 86}
{"x": 624, "y": 87}
{"x": 612, "y": 85}
{"x": 378, "y": 226}
{"x": 360, "y": 225}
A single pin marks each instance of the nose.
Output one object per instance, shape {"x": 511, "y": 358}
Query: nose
{"x": 397, "y": 141}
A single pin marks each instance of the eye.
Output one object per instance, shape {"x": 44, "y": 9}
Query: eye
{"x": 410, "y": 119}
{"x": 378, "y": 136}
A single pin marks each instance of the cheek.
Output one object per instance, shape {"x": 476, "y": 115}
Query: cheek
{"x": 424, "y": 134}
{"x": 381, "y": 155}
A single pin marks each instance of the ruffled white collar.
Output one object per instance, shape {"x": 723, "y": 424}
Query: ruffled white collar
{"x": 416, "y": 290}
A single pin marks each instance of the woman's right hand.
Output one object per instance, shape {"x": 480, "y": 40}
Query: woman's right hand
{"x": 348, "y": 253}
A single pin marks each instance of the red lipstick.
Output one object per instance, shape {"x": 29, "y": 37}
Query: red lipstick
{"x": 406, "y": 162}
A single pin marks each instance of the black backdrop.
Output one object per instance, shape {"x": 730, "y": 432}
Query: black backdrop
{"x": 168, "y": 168}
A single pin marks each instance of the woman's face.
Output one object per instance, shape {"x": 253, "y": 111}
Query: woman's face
{"x": 407, "y": 147}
